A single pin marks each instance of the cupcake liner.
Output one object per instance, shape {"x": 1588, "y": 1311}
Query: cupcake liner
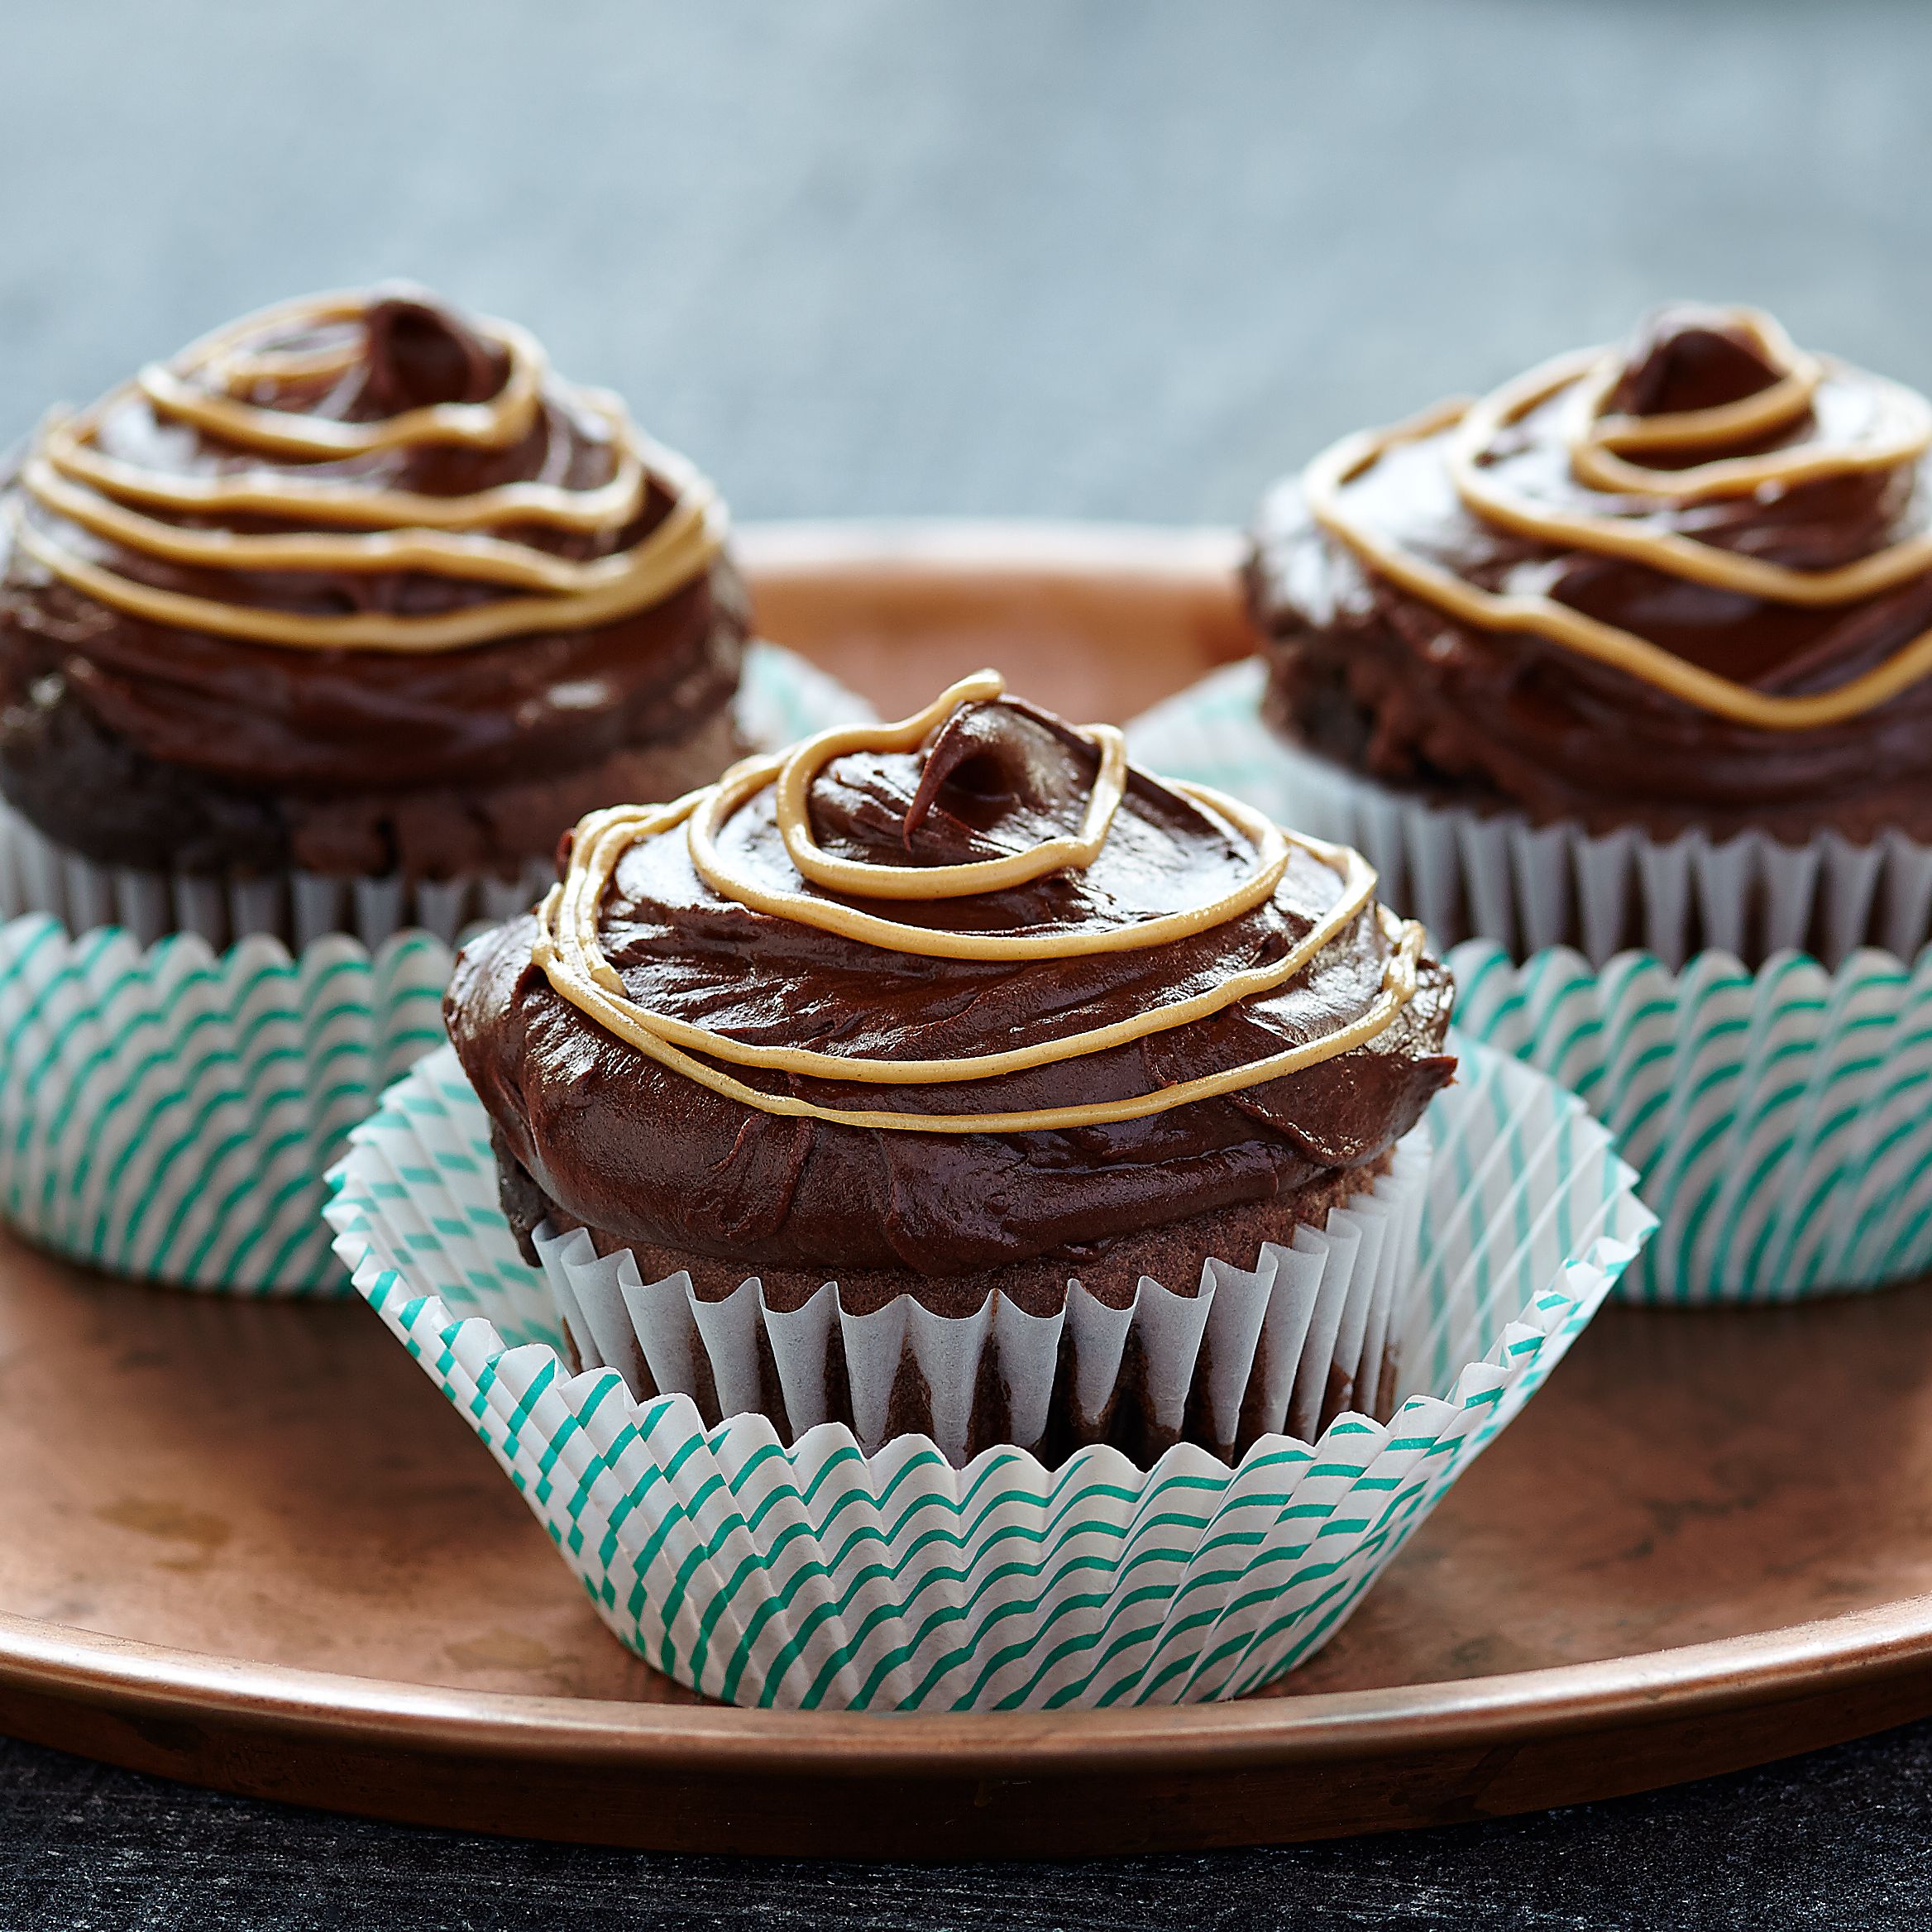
{"x": 1781, "y": 1122}
{"x": 781, "y": 697}
{"x": 169, "y": 1114}
{"x": 1469, "y": 874}
{"x": 820, "y": 1575}
{"x": 1285, "y": 1346}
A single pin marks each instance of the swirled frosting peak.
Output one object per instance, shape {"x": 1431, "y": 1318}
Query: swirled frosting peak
{"x": 1691, "y": 570}
{"x": 367, "y": 471}
{"x": 963, "y": 989}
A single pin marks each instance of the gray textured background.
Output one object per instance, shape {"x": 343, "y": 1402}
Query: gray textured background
{"x": 1064, "y": 258}
{"x": 1061, "y": 257}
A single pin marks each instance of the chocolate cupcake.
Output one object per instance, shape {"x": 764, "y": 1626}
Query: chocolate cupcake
{"x": 353, "y": 592}
{"x": 1634, "y": 650}
{"x": 966, "y": 1021}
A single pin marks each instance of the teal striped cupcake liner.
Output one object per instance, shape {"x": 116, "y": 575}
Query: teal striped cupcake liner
{"x": 780, "y": 697}
{"x": 819, "y": 1575}
{"x": 1779, "y": 1118}
{"x": 1493, "y": 875}
{"x": 1780, "y": 1121}
{"x": 169, "y": 1113}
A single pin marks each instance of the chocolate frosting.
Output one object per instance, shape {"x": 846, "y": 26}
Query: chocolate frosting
{"x": 1385, "y": 680}
{"x": 245, "y": 713}
{"x": 629, "y": 1146}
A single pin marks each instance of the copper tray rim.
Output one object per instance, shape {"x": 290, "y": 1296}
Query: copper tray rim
{"x": 1701, "y": 1680}
{"x": 989, "y": 549}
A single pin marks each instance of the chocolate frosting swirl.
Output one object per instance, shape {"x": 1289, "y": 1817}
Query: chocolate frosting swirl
{"x": 694, "y": 1158}
{"x": 363, "y": 542}
{"x": 1687, "y": 581}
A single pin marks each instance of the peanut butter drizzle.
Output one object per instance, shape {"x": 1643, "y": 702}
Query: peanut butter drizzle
{"x": 567, "y": 951}
{"x": 66, "y": 476}
{"x": 1600, "y": 446}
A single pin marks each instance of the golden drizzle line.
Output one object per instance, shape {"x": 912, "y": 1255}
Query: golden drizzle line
{"x": 1593, "y": 441}
{"x": 322, "y": 499}
{"x": 66, "y": 476}
{"x": 567, "y": 950}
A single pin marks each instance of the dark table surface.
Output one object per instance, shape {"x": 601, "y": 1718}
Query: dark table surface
{"x": 1075, "y": 258}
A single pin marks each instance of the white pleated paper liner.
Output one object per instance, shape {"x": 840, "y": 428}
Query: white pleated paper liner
{"x": 169, "y": 1113}
{"x": 1474, "y": 875}
{"x": 1283, "y": 1347}
{"x": 1781, "y": 1122}
{"x": 819, "y": 1575}
{"x": 780, "y": 698}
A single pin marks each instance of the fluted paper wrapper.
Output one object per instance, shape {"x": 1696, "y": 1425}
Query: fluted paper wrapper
{"x": 169, "y": 1113}
{"x": 824, "y": 1573}
{"x": 780, "y": 698}
{"x": 1780, "y": 1120}
{"x": 1468, "y": 874}
{"x": 1285, "y": 1346}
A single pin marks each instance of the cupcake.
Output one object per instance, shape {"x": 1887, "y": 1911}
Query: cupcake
{"x": 889, "y": 1078}
{"x": 1680, "y": 584}
{"x": 322, "y": 633}
{"x": 1620, "y": 676}
{"x": 849, "y": 1386}
{"x": 1632, "y": 651}
{"x": 354, "y": 593}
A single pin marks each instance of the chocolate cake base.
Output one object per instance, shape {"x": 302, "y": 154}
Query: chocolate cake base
{"x": 1310, "y": 703}
{"x": 1172, "y": 1255}
{"x": 97, "y": 795}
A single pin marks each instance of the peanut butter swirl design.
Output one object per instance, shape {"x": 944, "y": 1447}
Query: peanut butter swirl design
{"x": 260, "y": 389}
{"x": 957, "y": 992}
{"x": 1709, "y": 539}
{"x": 1893, "y": 426}
{"x": 567, "y": 950}
{"x": 358, "y": 586}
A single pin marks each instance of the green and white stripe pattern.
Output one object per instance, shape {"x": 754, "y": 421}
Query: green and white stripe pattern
{"x": 818, "y": 1577}
{"x": 169, "y": 1114}
{"x": 1781, "y": 1122}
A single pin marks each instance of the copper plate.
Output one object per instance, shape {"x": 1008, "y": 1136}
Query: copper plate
{"x": 250, "y": 1546}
